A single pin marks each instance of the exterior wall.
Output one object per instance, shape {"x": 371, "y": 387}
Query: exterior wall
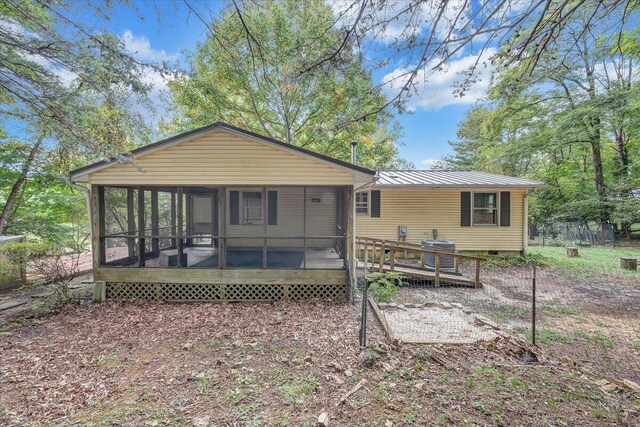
{"x": 320, "y": 218}
{"x": 423, "y": 210}
{"x": 223, "y": 158}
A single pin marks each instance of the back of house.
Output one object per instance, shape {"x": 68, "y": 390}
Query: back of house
{"x": 476, "y": 211}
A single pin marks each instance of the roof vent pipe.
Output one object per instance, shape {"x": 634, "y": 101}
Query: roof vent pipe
{"x": 354, "y": 144}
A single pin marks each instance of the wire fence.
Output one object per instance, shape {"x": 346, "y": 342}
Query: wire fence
{"x": 572, "y": 233}
{"x": 589, "y": 322}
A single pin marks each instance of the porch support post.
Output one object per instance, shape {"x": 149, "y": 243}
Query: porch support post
{"x": 351, "y": 242}
{"x": 155, "y": 224}
{"x": 264, "y": 227}
{"x": 304, "y": 228}
{"x": 189, "y": 217}
{"x": 222, "y": 226}
{"x": 141, "y": 230}
{"x": 131, "y": 225}
{"x": 174, "y": 231}
{"x": 97, "y": 226}
{"x": 525, "y": 236}
{"x": 179, "y": 228}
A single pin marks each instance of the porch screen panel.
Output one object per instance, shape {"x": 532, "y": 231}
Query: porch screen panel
{"x": 120, "y": 227}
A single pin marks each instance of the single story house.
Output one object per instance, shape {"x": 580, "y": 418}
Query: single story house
{"x": 477, "y": 211}
{"x": 221, "y": 213}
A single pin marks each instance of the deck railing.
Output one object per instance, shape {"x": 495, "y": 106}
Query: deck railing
{"x": 373, "y": 252}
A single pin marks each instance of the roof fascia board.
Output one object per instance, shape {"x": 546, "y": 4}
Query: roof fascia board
{"x": 475, "y": 186}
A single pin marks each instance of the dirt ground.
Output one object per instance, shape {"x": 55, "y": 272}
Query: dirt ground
{"x": 592, "y": 322}
{"x": 279, "y": 364}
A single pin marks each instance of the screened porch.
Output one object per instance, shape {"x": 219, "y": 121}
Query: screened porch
{"x": 211, "y": 227}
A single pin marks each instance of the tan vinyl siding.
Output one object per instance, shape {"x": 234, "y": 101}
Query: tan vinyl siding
{"x": 223, "y": 158}
{"x": 321, "y": 219}
{"x": 423, "y": 210}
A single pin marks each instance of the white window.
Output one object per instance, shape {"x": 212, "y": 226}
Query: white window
{"x": 252, "y": 207}
{"x": 485, "y": 208}
{"x": 362, "y": 203}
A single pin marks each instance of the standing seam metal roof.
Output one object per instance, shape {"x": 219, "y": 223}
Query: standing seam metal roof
{"x": 449, "y": 178}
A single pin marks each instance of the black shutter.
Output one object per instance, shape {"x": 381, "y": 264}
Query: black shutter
{"x": 465, "y": 209}
{"x": 505, "y": 208}
{"x": 272, "y": 203}
{"x": 234, "y": 207}
{"x": 375, "y": 203}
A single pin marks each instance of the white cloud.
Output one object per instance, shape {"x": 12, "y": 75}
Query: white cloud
{"x": 434, "y": 89}
{"x": 140, "y": 47}
{"x": 429, "y": 163}
{"x": 400, "y": 20}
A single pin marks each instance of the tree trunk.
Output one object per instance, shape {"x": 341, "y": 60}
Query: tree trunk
{"x": 621, "y": 150}
{"x": 596, "y": 154}
{"x": 18, "y": 184}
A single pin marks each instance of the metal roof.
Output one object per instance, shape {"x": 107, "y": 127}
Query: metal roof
{"x": 449, "y": 178}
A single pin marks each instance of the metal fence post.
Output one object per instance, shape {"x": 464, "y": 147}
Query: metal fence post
{"x": 363, "y": 321}
{"x": 533, "y": 308}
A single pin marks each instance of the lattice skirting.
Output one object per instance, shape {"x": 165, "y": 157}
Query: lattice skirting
{"x": 222, "y": 292}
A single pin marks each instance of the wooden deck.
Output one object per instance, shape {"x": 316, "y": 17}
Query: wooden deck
{"x": 446, "y": 279}
{"x": 373, "y": 252}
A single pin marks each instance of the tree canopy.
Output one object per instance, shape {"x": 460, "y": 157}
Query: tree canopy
{"x": 570, "y": 122}
{"x": 248, "y": 72}
{"x": 65, "y": 98}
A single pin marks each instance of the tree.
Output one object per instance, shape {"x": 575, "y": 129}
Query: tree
{"x": 65, "y": 92}
{"x": 247, "y": 73}
{"x": 420, "y": 37}
{"x": 569, "y": 122}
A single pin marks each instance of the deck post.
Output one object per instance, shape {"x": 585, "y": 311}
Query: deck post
{"x": 381, "y": 262}
{"x": 392, "y": 259}
{"x": 373, "y": 255}
{"x": 477, "y": 276}
{"x": 437, "y": 259}
{"x": 366, "y": 257}
{"x": 456, "y": 264}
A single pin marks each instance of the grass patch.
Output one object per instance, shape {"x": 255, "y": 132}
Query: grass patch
{"x": 635, "y": 346}
{"x": 592, "y": 261}
{"x": 560, "y": 310}
{"x": 603, "y": 341}
{"x": 527, "y": 259}
{"x": 297, "y": 391}
{"x": 550, "y": 336}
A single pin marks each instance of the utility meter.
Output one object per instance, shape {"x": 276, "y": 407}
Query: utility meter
{"x": 402, "y": 231}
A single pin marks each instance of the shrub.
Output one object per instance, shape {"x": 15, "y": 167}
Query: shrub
{"x": 48, "y": 261}
{"x": 383, "y": 286}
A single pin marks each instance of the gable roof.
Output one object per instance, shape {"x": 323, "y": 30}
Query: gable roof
{"x": 174, "y": 140}
{"x": 449, "y": 178}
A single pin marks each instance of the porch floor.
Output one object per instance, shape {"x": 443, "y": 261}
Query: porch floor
{"x": 241, "y": 257}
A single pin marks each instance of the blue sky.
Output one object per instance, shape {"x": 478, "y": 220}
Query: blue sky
{"x": 435, "y": 115}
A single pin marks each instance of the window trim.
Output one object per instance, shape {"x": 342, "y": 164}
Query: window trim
{"x": 496, "y": 209}
{"x": 368, "y": 203}
{"x": 243, "y": 220}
